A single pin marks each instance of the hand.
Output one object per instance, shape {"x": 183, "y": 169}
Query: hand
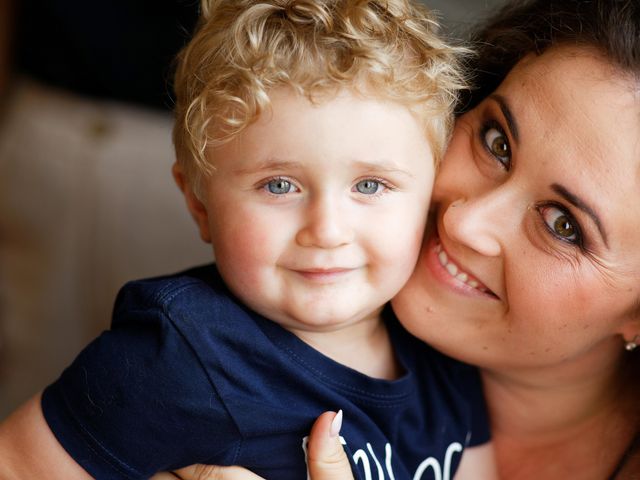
{"x": 325, "y": 456}
{"x": 207, "y": 472}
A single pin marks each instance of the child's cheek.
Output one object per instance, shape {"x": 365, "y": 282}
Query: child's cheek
{"x": 244, "y": 246}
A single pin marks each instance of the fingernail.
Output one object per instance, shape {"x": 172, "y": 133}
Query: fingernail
{"x": 336, "y": 425}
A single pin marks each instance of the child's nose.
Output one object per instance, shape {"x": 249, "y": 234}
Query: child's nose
{"x": 325, "y": 226}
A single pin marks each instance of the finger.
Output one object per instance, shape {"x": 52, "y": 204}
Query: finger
{"x": 326, "y": 457}
{"x": 165, "y": 476}
{"x": 214, "y": 472}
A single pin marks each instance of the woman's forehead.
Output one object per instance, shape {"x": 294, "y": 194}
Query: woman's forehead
{"x": 571, "y": 61}
{"x": 574, "y": 101}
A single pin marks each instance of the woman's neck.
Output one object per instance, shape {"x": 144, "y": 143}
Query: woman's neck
{"x": 565, "y": 421}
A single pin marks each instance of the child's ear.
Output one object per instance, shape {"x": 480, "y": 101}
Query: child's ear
{"x": 196, "y": 207}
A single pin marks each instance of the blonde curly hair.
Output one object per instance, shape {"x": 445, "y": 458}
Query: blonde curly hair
{"x": 242, "y": 49}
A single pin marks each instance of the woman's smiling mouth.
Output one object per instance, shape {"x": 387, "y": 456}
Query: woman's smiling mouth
{"x": 451, "y": 273}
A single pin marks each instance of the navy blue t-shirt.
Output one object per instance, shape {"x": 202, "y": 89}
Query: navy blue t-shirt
{"x": 187, "y": 374}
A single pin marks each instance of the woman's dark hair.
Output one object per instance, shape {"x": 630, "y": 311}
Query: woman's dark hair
{"x": 532, "y": 26}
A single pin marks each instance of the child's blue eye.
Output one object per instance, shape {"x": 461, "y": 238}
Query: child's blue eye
{"x": 279, "y": 186}
{"x": 368, "y": 187}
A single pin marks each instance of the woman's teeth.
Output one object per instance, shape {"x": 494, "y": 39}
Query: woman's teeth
{"x": 455, "y": 271}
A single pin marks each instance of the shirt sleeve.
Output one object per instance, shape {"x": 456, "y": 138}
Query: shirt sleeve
{"x": 137, "y": 401}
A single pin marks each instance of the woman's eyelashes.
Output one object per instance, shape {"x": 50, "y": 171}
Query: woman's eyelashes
{"x": 561, "y": 224}
{"x": 496, "y": 143}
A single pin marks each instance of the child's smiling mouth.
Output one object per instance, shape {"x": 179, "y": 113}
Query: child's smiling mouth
{"x": 324, "y": 275}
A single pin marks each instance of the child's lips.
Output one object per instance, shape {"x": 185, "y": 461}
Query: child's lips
{"x": 323, "y": 274}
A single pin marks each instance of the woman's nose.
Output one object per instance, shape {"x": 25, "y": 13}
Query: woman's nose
{"x": 481, "y": 224}
{"x": 325, "y": 226}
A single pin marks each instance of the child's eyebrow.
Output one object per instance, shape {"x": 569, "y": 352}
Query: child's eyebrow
{"x": 383, "y": 165}
{"x": 271, "y": 164}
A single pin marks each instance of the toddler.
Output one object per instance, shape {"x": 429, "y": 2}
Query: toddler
{"x": 306, "y": 137}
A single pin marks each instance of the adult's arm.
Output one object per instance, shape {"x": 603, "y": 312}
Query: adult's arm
{"x": 29, "y": 449}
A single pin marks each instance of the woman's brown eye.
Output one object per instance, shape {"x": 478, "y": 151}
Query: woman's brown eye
{"x": 498, "y": 145}
{"x": 563, "y": 227}
{"x": 560, "y": 223}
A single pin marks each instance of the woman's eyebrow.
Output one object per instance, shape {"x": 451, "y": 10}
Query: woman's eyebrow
{"x": 506, "y": 111}
{"x": 582, "y": 205}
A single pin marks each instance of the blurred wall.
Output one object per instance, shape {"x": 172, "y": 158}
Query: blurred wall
{"x": 458, "y": 16}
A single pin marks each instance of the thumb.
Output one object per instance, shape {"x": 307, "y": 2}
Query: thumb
{"x": 326, "y": 457}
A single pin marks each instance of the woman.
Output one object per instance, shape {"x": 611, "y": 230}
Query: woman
{"x": 538, "y": 201}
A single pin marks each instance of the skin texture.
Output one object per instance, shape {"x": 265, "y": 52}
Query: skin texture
{"x": 320, "y": 257}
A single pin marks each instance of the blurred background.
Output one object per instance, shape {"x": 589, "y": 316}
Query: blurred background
{"x": 87, "y": 201}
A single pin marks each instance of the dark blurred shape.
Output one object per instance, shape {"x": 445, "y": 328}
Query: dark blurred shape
{"x": 120, "y": 50}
